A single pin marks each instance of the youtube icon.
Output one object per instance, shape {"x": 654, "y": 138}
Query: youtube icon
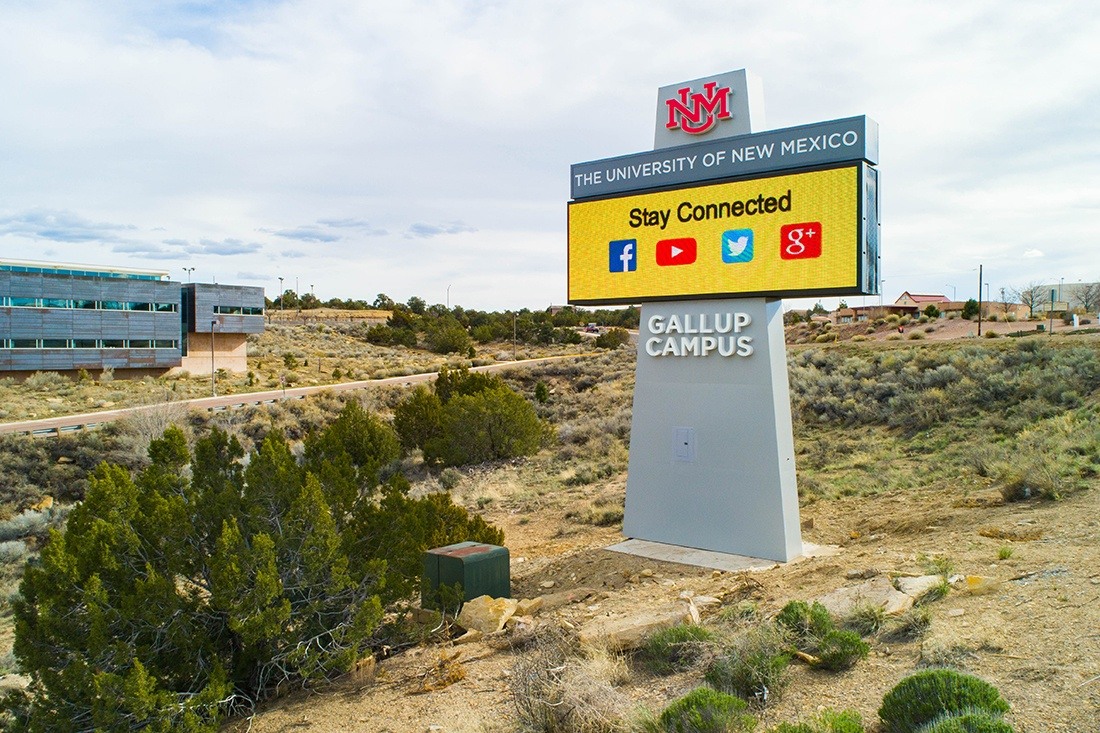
{"x": 676, "y": 251}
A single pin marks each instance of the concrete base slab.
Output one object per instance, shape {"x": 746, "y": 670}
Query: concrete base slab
{"x": 711, "y": 559}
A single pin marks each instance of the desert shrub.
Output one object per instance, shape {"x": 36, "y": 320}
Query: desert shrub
{"x": 542, "y": 393}
{"x": 915, "y": 335}
{"x": 806, "y": 623}
{"x": 613, "y": 338}
{"x": 555, "y": 690}
{"x": 675, "y": 649}
{"x": 445, "y": 335}
{"x": 969, "y": 721}
{"x": 824, "y": 338}
{"x": 705, "y": 710}
{"x": 991, "y": 335}
{"x": 46, "y": 382}
{"x": 910, "y": 625}
{"x": 13, "y": 551}
{"x": 753, "y": 667}
{"x": 418, "y": 419}
{"x": 493, "y": 424}
{"x": 827, "y": 721}
{"x": 924, "y": 696}
{"x": 839, "y": 650}
{"x": 224, "y": 582}
{"x": 449, "y": 478}
{"x": 866, "y": 619}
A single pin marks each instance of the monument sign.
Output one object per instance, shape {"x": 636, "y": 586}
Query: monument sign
{"x": 708, "y": 232}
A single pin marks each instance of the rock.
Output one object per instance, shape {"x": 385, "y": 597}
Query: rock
{"x": 919, "y": 586}
{"x": 979, "y": 584}
{"x": 565, "y": 597}
{"x": 955, "y": 612}
{"x": 363, "y": 670}
{"x": 470, "y": 635}
{"x": 630, "y": 632}
{"x": 547, "y": 584}
{"x": 529, "y": 606}
{"x": 875, "y": 592}
{"x": 704, "y": 602}
{"x": 486, "y": 614}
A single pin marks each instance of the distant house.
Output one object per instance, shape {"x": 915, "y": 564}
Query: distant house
{"x": 921, "y": 301}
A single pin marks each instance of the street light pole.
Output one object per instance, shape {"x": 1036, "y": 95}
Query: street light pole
{"x": 979, "y": 300}
{"x": 189, "y": 270}
{"x": 953, "y": 292}
{"x": 448, "y": 297}
{"x": 514, "y": 337}
{"x": 213, "y": 376}
{"x": 280, "y": 295}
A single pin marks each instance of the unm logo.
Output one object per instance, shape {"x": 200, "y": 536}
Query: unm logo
{"x": 705, "y": 109}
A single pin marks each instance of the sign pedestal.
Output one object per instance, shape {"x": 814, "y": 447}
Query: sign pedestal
{"x": 711, "y": 446}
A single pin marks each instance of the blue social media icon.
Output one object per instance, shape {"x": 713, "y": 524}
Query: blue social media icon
{"x": 737, "y": 246}
{"x": 622, "y": 255}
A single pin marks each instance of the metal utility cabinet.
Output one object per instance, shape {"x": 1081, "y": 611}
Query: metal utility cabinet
{"x": 481, "y": 570}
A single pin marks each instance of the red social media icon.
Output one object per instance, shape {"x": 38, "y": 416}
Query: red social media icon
{"x": 800, "y": 241}
{"x": 676, "y": 251}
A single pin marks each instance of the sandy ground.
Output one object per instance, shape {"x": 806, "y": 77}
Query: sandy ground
{"x": 1035, "y": 636}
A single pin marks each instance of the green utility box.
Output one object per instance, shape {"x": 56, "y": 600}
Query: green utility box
{"x": 481, "y": 570}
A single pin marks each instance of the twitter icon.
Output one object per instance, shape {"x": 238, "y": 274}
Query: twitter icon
{"x": 737, "y": 246}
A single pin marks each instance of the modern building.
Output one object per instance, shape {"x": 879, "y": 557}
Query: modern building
{"x": 66, "y": 317}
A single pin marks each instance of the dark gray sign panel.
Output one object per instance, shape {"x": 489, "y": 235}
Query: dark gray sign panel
{"x": 822, "y": 143}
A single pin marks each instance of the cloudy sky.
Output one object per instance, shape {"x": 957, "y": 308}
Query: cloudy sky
{"x": 411, "y": 147}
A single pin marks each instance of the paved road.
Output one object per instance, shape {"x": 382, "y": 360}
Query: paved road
{"x": 53, "y": 426}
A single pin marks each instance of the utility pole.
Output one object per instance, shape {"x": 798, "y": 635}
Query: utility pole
{"x": 513, "y": 337}
{"x": 979, "y": 300}
{"x": 280, "y": 295}
{"x": 213, "y": 376}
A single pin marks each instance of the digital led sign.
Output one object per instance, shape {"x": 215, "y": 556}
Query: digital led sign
{"x": 809, "y": 233}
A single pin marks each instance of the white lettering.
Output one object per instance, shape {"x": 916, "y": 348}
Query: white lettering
{"x": 723, "y": 327}
{"x": 656, "y": 324}
{"x": 674, "y": 325}
{"x": 740, "y": 320}
{"x": 744, "y": 346}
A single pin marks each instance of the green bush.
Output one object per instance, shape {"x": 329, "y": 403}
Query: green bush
{"x": 807, "y": 623}
{"x": 839, "y": 650}
{"x": 174, "y": 596}
{"x": 445, "y": 335}
{"x": 827, "y": 721}
{"x": 704, "y": 710}
{"x": 971, "y": 721}
{"x": 675, "y": 649}
{"x": 753, "y": 667}
{"x": 490, "y": 425}
{"x": 922, "y": 697}
{"x": 613, "y": 338}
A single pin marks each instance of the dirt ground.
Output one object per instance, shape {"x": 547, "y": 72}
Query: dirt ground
{"x": 1035, "y": 635}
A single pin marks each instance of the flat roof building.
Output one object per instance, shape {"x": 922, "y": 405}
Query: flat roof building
{"x": 65, "y": 317}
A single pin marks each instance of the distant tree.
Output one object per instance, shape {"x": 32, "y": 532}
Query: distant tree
{"x": 1030, "y": 295}
{"x": 417, "y": 305}
{"x": 932, "y": 311}
{"x": 1089, "y": 296}
{"x": 818, "y": 310}
{"x": 612, "y": 338}
{"x": 383, "y": 302}
{"x": 792, "y": 317}
{"x": 489, "y": 425}
{"x": 970, "y": 309}
{"x": 445, "y": 335}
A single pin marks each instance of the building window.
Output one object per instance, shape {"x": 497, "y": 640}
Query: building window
{"x": 84, "y": 344}
{"x": 55, "y": 343}
{"x": 24, "y": 302}
{"x": 112, "y": 305}
{"x": 165, "y": 307}
{"x": 24, "y": 343}
{"x": 165, "y": 344}
{"x": 114, "y": 343}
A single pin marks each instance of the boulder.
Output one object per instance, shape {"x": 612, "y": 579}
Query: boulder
{"x": 919, "y": 586}
{"x": 529, "y": 606}
{"x": 486, "y": 614}
{"x": 875, "y": 592}
{"x": 629, "y": 632}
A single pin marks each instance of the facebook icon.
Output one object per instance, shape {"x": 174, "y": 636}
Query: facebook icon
{"x": 623, "y": 255}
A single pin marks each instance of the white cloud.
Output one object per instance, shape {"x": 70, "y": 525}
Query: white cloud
{"x": 407, "y": 146}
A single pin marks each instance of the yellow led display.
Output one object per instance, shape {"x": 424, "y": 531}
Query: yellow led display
{"x": 780, "y": 236}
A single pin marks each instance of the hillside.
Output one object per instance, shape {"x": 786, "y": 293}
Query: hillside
{"x": 907, "y": 456}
